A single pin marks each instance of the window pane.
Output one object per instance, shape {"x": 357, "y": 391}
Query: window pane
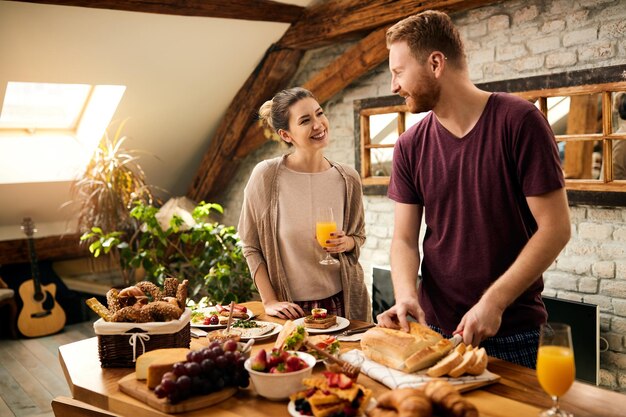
{"x": 384, "y": 128}
{"x": 381, "y": 162}
{"x": 581, "y": 159}
{"x": 619, "y": 159}
{"x": 575, "y": 115}
{"x": 40, "y": 105}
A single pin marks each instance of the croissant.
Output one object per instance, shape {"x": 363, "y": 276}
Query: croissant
{"x": 447, "y": 401}
{"x": 407, "y": 402}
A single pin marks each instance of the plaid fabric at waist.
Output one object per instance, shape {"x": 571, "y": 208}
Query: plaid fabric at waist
{"x": 519, "y": 348}
{"x": 333, "y": 304}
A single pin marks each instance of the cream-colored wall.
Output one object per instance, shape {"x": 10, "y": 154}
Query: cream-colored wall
{"x": 510, "y": 40}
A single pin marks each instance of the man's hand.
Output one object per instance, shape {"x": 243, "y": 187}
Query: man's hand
{"x": 284, "y": 310}
{"x": 480, "y": 322}
{"x": 396, "y": 316}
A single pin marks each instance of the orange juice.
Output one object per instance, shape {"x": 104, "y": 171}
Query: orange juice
{"x": 555, "y": 369}
{"x": 323, "y": 231}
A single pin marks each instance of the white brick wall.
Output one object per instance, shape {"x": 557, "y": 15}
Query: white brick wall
{"x": 510, "y": 40}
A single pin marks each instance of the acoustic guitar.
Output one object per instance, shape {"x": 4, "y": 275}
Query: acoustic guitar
{"x": 41, "y": 315}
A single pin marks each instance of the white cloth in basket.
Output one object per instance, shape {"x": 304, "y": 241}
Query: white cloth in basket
{"x": 393, "y": 378}
{"x": 102, "y": 327}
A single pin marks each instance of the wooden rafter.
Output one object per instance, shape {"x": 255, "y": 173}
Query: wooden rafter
{"x": 263, "y": 10}
{"x": 219, "y": 165}
{"x": 336, "y": 20}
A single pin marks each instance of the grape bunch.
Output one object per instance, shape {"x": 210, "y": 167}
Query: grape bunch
{"x": 207, "y": 370}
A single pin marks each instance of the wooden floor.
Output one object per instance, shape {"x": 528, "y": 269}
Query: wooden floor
{"x": 30, "y": 373}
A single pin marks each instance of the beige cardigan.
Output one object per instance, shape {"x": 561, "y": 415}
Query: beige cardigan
{"x": 257, "y": 230}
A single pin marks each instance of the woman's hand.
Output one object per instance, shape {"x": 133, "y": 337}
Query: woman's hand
{"x": 284, "y": 310}
{"x": 340, "y": 242}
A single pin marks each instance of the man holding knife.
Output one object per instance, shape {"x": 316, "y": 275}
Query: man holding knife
{"x": 483, "y": 169}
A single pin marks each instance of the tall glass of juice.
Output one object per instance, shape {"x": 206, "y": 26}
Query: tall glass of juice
{"x": 555, "y": 364}
{"x": 325, "y": 225}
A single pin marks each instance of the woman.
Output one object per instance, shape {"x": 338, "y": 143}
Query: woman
{"x": 277, "y": 223}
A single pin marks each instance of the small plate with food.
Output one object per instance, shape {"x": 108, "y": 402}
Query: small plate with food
{"x": 319, "y": 321}
{"x": 215, "y": 317}
{"x": 253, "y": 329}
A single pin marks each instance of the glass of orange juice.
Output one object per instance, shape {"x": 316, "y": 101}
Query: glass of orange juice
{"x": 324, "y": 225}
{"x": 555, "y": 364}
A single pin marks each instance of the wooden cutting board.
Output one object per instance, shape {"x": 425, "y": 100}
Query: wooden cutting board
{"x": 139, "y": 390}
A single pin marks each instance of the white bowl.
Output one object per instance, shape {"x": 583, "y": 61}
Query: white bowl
{"x": 280, "y": 386}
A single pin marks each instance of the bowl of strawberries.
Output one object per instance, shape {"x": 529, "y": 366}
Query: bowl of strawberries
{"x": 278, "y": 373}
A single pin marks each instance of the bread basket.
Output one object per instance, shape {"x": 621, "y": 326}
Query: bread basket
{"x": 119, "y": 344}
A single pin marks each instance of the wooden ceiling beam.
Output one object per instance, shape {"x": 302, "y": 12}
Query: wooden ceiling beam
{"x": 53, "y": 248}
{"x": 336, "y": 20}
{"x": 262, "y": 10}
{"x": 219, "y": 163}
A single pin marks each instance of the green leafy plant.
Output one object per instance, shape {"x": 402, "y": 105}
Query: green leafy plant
{"x": 112, "y": 181}
{"x": 205, "y": 252}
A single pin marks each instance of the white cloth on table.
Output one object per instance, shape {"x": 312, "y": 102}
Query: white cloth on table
{"x": 393, "y": 378}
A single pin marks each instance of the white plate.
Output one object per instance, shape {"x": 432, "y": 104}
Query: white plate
{"x": 342, "y": 323}
{"x": 207, "y": 312}
{"x": 277, "y": 328}
{"x": 291, "y": 408}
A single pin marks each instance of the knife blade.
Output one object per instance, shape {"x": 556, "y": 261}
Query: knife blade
{"x": 357, "y": 330}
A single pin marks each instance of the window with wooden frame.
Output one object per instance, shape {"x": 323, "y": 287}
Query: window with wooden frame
{"x": 580, "y": 107}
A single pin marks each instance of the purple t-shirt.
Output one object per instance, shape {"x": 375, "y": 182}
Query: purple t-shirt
{"x": 473, "y": 192}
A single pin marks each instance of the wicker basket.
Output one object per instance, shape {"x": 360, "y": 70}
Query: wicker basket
{"x": 121, "y": 350}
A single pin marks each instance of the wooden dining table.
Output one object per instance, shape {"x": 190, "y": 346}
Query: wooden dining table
{"x": 517, "y": 393}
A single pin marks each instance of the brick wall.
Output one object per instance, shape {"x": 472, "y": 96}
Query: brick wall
{"x": 505, "y": 41}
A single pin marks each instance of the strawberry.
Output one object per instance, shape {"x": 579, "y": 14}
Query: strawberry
{"x": 278, "y": 369}
{"x": 339, "y": 380}
{"x": 275, "y": 357}
{"x": 344, "y": 381}
{"x": 294, "y": 363}
{"x": 259, "y": 362}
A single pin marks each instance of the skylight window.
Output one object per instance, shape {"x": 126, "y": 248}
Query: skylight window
{"x": 48, "y": 132}
{"x": 43, "y": 106}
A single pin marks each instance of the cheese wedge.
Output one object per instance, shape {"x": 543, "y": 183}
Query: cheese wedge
{"x": 150, "y": 364}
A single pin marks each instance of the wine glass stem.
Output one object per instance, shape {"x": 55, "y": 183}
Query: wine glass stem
{"x": 555, "y": 403}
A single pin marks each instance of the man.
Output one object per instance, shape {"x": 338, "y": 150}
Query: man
{"x": 484, "y": 170}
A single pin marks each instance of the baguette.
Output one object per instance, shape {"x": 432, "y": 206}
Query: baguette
{"x": 427, "y": 356}
{"x": 445, "y": 365}
{"x": 480, "y": 364}
{"x": 420, "y": 348}
{"x": 468, "y": 360}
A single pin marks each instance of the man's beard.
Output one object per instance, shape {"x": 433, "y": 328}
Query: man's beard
{"x": 424, "y": 100}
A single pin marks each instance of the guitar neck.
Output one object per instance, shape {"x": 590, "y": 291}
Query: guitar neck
{"x": 33, "y": 266}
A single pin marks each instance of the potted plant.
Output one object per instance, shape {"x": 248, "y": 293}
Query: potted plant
{"x": 181, "y": 243}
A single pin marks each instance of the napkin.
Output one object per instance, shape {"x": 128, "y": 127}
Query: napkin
{"x": 393, "y": 378}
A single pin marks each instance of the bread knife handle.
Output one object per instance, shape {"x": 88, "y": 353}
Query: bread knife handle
{"x": 358, "y": 330}
{"x": 456, "y": 339}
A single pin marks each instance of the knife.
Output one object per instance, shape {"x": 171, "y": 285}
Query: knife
{"x": 357, "y": 330}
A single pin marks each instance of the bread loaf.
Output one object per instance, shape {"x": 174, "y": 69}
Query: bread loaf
{"x": 473, "y": 362}
{"x": 445, "y": 365}
{"x": 409, "y": 352}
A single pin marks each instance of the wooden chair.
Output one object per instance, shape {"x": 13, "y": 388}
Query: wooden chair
{"x": 8, "y": 304}
{"x": 69, "y": 407}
